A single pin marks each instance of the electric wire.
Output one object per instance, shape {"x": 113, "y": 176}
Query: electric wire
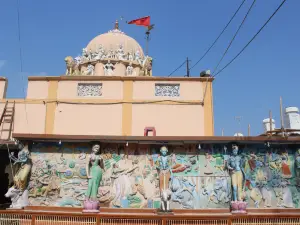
{"x": 128, "y": 102}
{"x": 19, "y": 36}
{"x": 233, "y": 38}
{"x": 177, "y": 68}
{"x": 282, "y": 3}
{"x": 213, "y": 44}
{"x": 21, "y": 59}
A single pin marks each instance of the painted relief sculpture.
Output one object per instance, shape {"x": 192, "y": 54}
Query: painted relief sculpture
{"x": 235, "y": 168}
{"x": 19, "y": 192}
{"x": 164, "y": 168}
{"x": 297, "y": 167}
{"x": 94, "y": 169}
{"x": 137, "y": 177}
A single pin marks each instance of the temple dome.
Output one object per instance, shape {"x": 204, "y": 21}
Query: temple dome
{"x": 112, "y": 40}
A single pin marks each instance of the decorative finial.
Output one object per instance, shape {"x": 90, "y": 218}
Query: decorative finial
{"x": 117, "y": 25}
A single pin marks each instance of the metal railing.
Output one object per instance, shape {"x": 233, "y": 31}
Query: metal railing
{"x": 69, "y": 216}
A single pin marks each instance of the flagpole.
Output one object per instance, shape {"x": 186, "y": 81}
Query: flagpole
{"x": 147, "y": 41}
{"x": 144, "y": 21}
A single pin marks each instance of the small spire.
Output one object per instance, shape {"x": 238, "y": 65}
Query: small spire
{"x": 117, "y": 25}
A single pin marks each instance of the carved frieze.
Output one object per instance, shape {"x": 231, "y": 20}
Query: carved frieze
{"x": 89, "y": 90}
{"x": 167, "y": 90}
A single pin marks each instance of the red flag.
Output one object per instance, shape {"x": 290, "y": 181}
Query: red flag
{"x": 145, "y": 21}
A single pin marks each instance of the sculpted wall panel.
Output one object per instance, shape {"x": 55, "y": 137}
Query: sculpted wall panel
{"x": 194, "y": 177}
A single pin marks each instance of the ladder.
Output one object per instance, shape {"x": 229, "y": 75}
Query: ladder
{"x": 7, "y": 120}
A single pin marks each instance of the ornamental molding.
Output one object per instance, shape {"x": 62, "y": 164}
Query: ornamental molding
{"x": 89, "y": 89}
{"x": 167, "y": 90}
{"x": 116, "y": 31}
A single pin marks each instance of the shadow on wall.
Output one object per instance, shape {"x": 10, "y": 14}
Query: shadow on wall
{"x": 4, "y": 178}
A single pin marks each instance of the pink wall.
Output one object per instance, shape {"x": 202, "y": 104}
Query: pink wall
{"x": 169, "y": 120}
{"x": 37, "y": 90}
{"x": 88, "y": 119}
{"x": 29, "y": 118}
{"x": 101, "y": 116}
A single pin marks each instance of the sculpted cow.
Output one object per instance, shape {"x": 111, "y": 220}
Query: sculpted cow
{"x": 19, "y": 199}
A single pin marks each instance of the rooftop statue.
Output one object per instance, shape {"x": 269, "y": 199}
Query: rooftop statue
{"x": 130, "y": 56}
{"x": 137, "y": 57}
{"x": 85, "y": 55}
{"x": 89, "y": 70}
{"x": 90, "y": 55}
{"x": 146, "y": 67}
{"x": 100, "y": 53}
{"x": 129, "y": 70}
{"x": 120, "y": 53}
{"x": 72, "y": 66}
{"x": 109, "y": 68}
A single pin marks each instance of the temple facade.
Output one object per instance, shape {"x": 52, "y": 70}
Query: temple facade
{"x": 108, "y": 135}
{"x": 110, "y": 90}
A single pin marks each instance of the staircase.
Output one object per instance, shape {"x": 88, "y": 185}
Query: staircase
{"x": 7, "y": 120}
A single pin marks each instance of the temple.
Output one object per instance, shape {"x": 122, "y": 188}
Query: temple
{"x": 109, "y": 143}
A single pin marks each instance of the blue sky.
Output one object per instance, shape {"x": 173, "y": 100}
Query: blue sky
{"x": 250, "y": 87}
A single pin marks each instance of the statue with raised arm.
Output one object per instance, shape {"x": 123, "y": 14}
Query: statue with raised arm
{"x": 21, "y": 178}
{"x": 94, "y": 169}
{"x": 235, "y": 167}
{"x": 137, "y": 57}
{"x": 100, "y": 53}
{"x": 19, "y": 192}
{"x": 108, "y": 68}
{"x": 163, "y": 165}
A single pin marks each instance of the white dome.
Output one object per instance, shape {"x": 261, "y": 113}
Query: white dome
{"x": 112, "y": 41}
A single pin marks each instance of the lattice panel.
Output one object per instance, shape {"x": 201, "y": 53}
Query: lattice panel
{"x": 64, "y": 220}
{"x": 197, "y": 222}
{"x": 12, "y": 219}
{"x": 167, "y": 90}
{"x": 89, "y": 90}
{"x": 129, "y": 222}
{"x": 267, "y": 221}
